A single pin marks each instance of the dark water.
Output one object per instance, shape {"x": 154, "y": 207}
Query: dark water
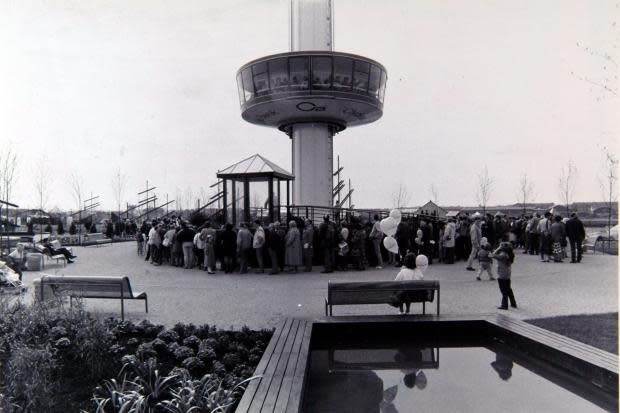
{"x": 448, "y": 379}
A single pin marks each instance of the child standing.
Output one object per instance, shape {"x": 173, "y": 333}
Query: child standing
{"x": 485, "y": 259}
{"x": 505, "y": 257}
{"x": 413, "y": 269}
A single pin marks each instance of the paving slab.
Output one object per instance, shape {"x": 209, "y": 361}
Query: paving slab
{"x": 262, "y": 301}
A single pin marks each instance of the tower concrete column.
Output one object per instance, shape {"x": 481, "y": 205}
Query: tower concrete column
{"x": 311, "y": 29}
{"x": 312, "y": 164}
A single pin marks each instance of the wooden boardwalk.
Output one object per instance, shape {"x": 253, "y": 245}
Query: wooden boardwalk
{"x": 283, "y": 371}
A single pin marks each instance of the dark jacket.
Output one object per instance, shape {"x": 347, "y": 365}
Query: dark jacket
{"x": 272, "y": 239}
{"x": 229, "y": 242}
{"x": 186, "y": 235}
{"x": 327, "y": 232}
{"x": 575, "y": 229}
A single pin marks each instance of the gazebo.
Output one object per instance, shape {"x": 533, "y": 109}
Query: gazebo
{"x": 256, "y": 168}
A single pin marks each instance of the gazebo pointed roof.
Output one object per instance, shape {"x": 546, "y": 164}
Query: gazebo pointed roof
{"x": 255, "y": 166}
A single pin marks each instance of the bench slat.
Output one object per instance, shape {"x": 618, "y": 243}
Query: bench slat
{"x": 88, "y": 287}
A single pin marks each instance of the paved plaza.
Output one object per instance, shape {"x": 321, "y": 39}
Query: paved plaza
{"x": 261, "y": 300}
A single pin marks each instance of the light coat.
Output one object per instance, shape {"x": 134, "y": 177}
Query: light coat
{"x": 293, "y": 255}
{"x": 449, "y": 235}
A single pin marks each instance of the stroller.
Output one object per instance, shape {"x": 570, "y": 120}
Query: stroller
{"x": 9, "y": 280}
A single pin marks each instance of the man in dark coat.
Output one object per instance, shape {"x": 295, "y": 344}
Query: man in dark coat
{"x": 427, "y": 237}
{"x": 403, "y": 235}
{"x": 576, "y": 234}
{"x": 273, "y": 243}
{"x": 327, "y": 233}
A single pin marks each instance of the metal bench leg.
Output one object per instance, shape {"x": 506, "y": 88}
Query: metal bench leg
{"x": 122, "y": 309}
{"x": 146, "y": 304}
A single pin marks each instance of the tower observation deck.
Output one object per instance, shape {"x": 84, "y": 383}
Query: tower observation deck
{"x": 311, "y": 95}
{"x": 337, "y": 89}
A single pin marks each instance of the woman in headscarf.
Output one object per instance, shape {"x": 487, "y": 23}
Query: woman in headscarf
{"x": 292, "y": 255}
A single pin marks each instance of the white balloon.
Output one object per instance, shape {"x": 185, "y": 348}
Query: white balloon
{"x": 344, "y": 233}
{"x": 395, "y": 213}
{"x": 390, "y": 244}
{"x": 388, "y": 226}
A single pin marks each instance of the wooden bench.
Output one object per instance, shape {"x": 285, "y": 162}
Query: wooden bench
{"x": 380, "y": 292}
{"x": 88, "y": 287}
{"x": 97, "y": 239}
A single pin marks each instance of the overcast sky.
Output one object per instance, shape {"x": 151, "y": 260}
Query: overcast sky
{"x": 148, "y": 86}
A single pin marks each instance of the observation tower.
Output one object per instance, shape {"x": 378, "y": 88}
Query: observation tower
{"x": 311, "y": 93}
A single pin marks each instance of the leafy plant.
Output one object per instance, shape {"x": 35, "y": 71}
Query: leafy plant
{"x": 176, "y": 393}
{"x": 29, "y": 380}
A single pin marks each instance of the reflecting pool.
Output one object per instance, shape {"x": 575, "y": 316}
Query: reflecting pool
{"x": 441, "y": 376}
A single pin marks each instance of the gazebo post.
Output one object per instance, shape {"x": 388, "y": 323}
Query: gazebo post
{"x": 225, "y": 209}
{"x": 288, "y": 201}
{"x": 270, "y": 198}
{"x": 234, "y": 202}
{"x": 279, "y": 203}
{"x": 246, "y": 200}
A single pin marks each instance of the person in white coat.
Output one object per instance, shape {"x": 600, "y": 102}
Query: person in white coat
{"x": 413, "y": 269}
{"x": 449, "y": 241}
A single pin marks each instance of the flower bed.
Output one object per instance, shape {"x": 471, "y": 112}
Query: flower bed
{"x": 58, "y": 359}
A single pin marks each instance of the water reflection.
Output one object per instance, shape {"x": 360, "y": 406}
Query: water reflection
{"x": 401, "y": 379}
{"x": 503, "y": 366}
{"x": 346, "y": 380}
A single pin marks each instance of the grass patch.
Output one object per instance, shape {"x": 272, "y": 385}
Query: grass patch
{"x": 597, "y": 330}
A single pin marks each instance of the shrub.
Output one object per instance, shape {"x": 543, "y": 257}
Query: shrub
{"x": 146, "y": 351}
{"x": 194, "y": 366}
{"x": 159, "y": 346}
{"x": 230, "y": 360}
{"x": 183, "y": 352}
{"x": 202, "y": 331}
{"x": 184, "y": 330}
{"x": 211, "y": 343}
{"x": 29, "y": 378}
{"x": 48, "y": 347}
{"x": 54, "y": 356}
{"x": 169, "y": 336}
{"x": 191, "y": 341}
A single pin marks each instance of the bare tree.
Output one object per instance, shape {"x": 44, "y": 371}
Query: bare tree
{"x": 188, "y": 198}
{"x": 179, "y": 201}
{"x": 76, "y": 183}
{"x": 484, "y": 188}
{"x": 203, "y": 197}
{"x": 433, "y": 191}
{"x": 76, "y": 186}
{"x": 119, "y": 183}
{"x": 566, "y": 183}
{"x": 400, "y": 198}
{"x": 8, "y": 173}
{"x": 8, "y": 178}
{"x": 609, "y": 185}
{"x": 525, "y": 191}
{"x": 43, "y": 180}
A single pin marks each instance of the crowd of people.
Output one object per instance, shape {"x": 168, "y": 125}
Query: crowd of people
{"x": 356, "y": 244}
